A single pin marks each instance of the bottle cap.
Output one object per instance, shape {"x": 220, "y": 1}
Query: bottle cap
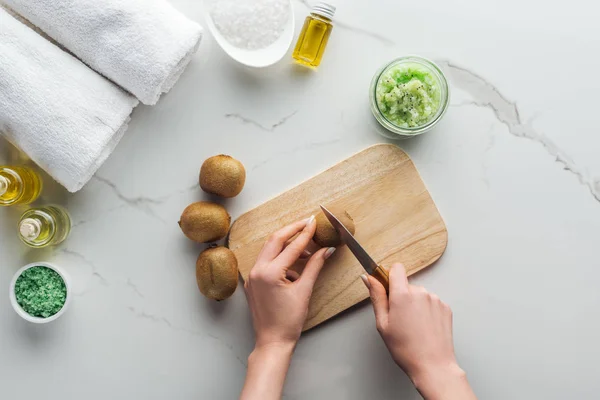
{"x": 324, "y": 9}
{"x": 30, "y": 228}
{"x": 3, "y": 185}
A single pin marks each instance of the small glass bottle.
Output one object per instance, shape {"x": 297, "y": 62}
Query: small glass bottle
{"x": 314, "y": 35}
{"x": 18, "y": 185}
{"x": 44, "y": 226}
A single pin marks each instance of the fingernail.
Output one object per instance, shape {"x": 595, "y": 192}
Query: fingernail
{"x": 329, "y": 252}
{"x": 366, "y": 281}
{"x": 306, "y": 253}
{"x": 310, "y": 220}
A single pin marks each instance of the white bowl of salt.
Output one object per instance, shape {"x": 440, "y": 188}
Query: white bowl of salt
{"x": 257, "y": 33}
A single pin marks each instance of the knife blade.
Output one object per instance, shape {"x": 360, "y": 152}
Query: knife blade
{"x": 359, "y": 252}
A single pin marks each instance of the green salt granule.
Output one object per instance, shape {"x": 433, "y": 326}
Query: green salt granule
{"x": 40, "y": 291}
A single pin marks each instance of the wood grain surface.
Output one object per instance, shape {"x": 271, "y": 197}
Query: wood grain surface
{"x": 396, "y": 221}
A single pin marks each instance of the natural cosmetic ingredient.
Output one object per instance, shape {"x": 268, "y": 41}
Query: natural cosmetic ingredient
{"x": 325, "y": 234}
{"x": 217, "y": 273}
{"x": 44, "y": 226}
{"x": 314, "y": 35}
{"x": 18, "y": 185}
{"x": 408, "y": 95}
{"x": 222, "y": 175}
{"x": 205, "y": 222}
{"x": 40, "y": 291}
{"x": 250, "y": 24}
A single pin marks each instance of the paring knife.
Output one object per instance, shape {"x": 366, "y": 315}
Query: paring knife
{"x": 377, "y": 271}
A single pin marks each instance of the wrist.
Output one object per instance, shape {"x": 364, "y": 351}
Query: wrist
{"x": 283, "y": 349}
{"x": 439, "y": 381}
{"x": 267, "y": 368}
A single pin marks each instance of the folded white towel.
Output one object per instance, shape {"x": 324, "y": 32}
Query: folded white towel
{"x": 142, "y": 45}
{"x": 65, "y": 116}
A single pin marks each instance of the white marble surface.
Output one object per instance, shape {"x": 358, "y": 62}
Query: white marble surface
{"x": 513, "y": 168}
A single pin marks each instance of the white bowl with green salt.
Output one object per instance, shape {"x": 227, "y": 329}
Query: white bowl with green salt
{"x": 256, "y": 33}
{"x": 40, "y": 292}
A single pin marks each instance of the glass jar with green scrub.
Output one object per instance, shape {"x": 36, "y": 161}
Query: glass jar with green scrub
{"x": 44, "y": 226}
{"x": 409, "y": 96}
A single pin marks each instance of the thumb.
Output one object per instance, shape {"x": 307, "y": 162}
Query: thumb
{"x": 313, "y": 267}
{"x": 378, "y": 298}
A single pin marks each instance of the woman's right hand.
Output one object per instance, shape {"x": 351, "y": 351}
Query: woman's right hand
{"x": 416, "y": 327}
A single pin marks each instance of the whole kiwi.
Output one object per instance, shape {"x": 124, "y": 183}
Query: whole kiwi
{"x": 222, "y": 175}
{"x": 205, "y": 222}
{"x": 326, "y": 235}
{"x": 217, "y": 273}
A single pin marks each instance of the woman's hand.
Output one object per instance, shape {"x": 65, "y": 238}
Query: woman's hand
{"x": 278, "y": 297}
{"x": 416, "y": 327}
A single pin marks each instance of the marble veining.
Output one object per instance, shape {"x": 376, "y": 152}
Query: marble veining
{"x": 142, "y": 203}
{"x": 134, "y": 287}
{"x": 163, "y": 320}
{"x": 486, "y": 95}
{"x": 80, "y": 257}
{"x": 247, "y": 120}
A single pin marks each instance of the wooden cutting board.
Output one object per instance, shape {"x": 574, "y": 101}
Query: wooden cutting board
{"x": 396, "y": 221}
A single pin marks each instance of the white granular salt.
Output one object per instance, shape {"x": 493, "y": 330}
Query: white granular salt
{"x": 250, "y": 24}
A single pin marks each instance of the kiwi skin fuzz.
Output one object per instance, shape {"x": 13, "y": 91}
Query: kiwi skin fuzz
{"x": 326, "y": 235}
{"x": 205, "y": 222}
{"x": 222, "y": 175}
{"x": 217, "y": 273}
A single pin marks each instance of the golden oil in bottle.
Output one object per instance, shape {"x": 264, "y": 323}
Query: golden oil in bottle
{"x": 18, "y": 185}
{"x": 314, "y": 35}
{"x": 44, "y": 226}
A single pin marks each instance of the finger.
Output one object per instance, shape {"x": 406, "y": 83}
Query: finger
{"x": 292, "y": 252}
{"x": 379, "y": 300}
{"x": 305, "y": 253}
{"x": 290, "y": 240}
{"x": 292, "y": 275}
{"x": 398, "y": 280}
{"x": 313, "y": 267}
{"x": 276, "y": 241}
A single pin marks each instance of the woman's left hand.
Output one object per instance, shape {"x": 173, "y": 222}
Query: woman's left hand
{"x": 278, "y": 297}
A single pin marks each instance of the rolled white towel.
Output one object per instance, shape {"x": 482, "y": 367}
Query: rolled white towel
{"x": 142, "y": 45}
{"x": 65, "y": 116}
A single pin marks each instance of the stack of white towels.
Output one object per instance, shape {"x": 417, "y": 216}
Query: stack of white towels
{"x": 67, "y": 108}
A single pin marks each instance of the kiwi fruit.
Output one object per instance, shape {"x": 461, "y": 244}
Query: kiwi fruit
{"x": 217, "y": 273}
{"x": 222, "y": 175}
{"x": 205, "y": 222}
{"x": 326, "y": 235}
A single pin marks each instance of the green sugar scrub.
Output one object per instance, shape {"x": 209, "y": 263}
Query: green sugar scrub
{"x": 40, "y": 291}
{"x": 408, "y": 95}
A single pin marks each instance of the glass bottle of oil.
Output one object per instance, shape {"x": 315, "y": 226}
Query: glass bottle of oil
{"x": 314, "y": 35}
{"x": 44, "y": 226}
{"x": 18, "y": 185}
